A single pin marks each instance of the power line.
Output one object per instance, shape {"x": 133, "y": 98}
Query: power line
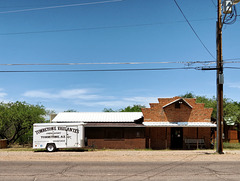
{"x": 231, "y": 61}
{"x": 118, "y": 63}
{"x": 96, "y": 70}
{"x": 97, "y": 28}
{"x": 214, "y": 4}
{"x": 114, "y": 70}
{"x": 231, "y": 67}
{"x": 108, "y": 63}
{"x": 215, "y": 68}
{"x": 60, "y": 6}
{"x": 193, "y": 30}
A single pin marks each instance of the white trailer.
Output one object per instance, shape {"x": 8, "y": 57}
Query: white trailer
{"x": 51, "y": 136}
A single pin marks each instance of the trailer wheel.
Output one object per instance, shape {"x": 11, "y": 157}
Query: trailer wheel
{"x": 51, "y": 147}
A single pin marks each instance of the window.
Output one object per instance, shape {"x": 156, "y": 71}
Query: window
{"x": 177, "y": 105}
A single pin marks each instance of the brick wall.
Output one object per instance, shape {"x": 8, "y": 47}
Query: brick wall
{"x": 137, "y": 143}
{"x": 165, "y": 111}
{"x": 130, "y": 138}
{"x": 158, "y": 138}
{"x": 198, "y": 133}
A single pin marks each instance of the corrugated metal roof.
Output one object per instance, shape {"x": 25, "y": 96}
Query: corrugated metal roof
{"x": 87, "y": 117}
{"x": 57, "y": 124}
{"x": 179, "y": 124}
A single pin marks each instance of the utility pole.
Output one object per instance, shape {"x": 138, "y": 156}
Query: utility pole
{"x": 219, "y": 82}
{"x": 227, "y": 9}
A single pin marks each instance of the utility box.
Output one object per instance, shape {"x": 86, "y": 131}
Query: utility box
{"x": 227, "y": 6}
{"x": 51, "y": 136}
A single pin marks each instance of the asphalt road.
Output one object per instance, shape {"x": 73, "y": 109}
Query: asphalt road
{"x": 71, "y": 171}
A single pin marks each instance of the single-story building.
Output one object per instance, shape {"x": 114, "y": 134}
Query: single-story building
{"x": 178, "y": 123}
{"x": 175, "y": 123}
{"x": 114, "y": 130}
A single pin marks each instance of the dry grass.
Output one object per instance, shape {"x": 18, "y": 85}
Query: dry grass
{"x": 233, "y": 146}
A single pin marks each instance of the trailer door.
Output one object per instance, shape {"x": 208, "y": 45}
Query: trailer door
{"x": 72, "y": 136}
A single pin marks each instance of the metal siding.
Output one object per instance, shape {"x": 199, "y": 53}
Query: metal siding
{"x": 179, "y": 124}
{"x": 98, "y": 117}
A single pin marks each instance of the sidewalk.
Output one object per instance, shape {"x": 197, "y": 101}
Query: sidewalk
{"x": 121, "y": 155}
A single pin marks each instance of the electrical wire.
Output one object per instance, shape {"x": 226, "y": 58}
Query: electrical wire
{"x": 113, "y": 70}
{"x": 214, "y": 4}
{"x": 97, "y": 28}
{"x": 116, "y": 70}
{"x": 215, "y": 68}
{"x": 95, "y": 70}
{"x": 122, "y": 63}
{"x": 225, "y": 61}
{"x": 60, "y": 6}
{"x": 108, "y": 63}
{"x": 231, "y": 67}
{"x": 231, "y": 62}
{"x": 232, "y": 17}
{"x": 194, "y": 30}
{"x": 232, "y": 59}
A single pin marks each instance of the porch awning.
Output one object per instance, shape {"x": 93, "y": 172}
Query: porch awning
{"x": 179, "y": 124}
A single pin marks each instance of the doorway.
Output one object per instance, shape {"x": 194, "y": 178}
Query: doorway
{"x": 177, "y": 138}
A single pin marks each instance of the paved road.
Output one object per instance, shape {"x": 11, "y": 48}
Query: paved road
{"x": 71, "y": 171}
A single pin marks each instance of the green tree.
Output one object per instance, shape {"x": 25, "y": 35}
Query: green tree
{"x": 70, "y": 110}
{"x": 134, "y": 108}
{"x": 108, "y": 110}
{"x": 188, "y": 95}
{"x": 231, "y": 109}
{"x": 17, "y": 119}
{"x": 208, "y": 103}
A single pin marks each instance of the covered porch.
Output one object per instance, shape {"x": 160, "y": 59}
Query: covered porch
{"x": 179, "y": 135}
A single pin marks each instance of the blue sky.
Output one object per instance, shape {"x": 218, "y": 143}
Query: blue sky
{"x": 108, "y": 31}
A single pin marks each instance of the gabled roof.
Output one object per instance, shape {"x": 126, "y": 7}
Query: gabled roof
{"x": 177, "y": 101}
{"x": 88, "y": 117}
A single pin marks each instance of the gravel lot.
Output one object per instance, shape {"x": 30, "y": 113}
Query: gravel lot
{"x": 121, "y": 156}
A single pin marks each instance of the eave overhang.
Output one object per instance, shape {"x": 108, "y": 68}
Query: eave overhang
{"x": 180, "y": 99}
{"x": 179, "y": 124}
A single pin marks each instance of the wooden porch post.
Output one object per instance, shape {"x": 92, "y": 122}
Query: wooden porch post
{"x": 197, "y": 137}
{"x": 166, "y": 138}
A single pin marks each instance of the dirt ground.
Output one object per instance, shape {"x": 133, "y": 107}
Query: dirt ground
{"x": 121, "y": 155}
